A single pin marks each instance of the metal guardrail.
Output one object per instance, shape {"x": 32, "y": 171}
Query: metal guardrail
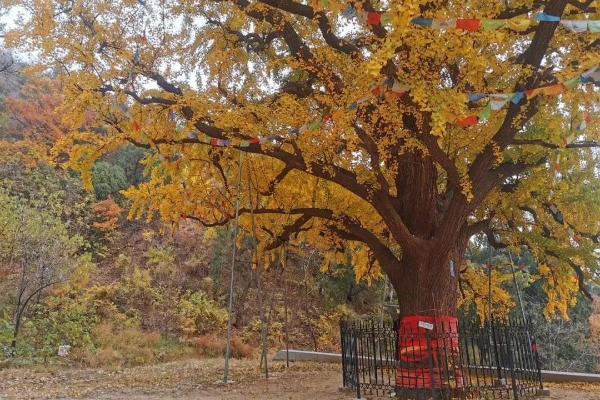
{"x": 498, "y": 360}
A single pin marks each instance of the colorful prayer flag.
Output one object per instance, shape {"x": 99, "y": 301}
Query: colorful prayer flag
{"x": 573, "y": 82}
{"x": 575, "y": 26}
{"x": 443, "y": 23}
{"x": 468, "y": 24}
{"x": 542, "y": 16}
{"x": 373, "y": 18}
{"x": 517, "y": 97}
{"x": 589, "y": 73}
{"x": 499, "y": 100}
{"x": 386, "y": 18}
{"x": 594, "y": 26}
{"x": 475, "y": 96}
{"x": 553, "y": 90}
{"x": 518, "y": 24}
{"x": 533, "y": 92}
{"x": 583, "y": 123}
{"x": 422, "y": 21}
{"x": 398, "y": 88}
{"x": 315, "y": 124}
{"x": 470, "y": 120}
{"x": 492, "y": 24}
{"x": 485, "y": 113}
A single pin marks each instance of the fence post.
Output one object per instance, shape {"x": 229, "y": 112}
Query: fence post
{"x": 344, "y": 358}
{"x": 430, "y": 360}
{"x": 511, "y": 363}
{"x": 497, "y": 356}
{"x": 357, "y": 368}
{"x": 374, "y": 351}
{"x": 537, "y": 363}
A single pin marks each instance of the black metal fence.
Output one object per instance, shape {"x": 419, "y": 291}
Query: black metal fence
{"x": 497, "y": 360}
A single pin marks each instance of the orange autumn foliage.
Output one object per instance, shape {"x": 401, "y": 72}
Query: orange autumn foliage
{"x": 108, "y": 212}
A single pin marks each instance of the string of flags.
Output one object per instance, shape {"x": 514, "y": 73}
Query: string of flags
{"x": 496, "y": 101}
{"x": 552, "y": 208}
{"x": 471, "y": 24}
{"x": 566, "y": 141}
{"x": 520, "y": 267}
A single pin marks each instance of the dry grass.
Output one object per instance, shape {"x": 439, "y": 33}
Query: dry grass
{"x": 213, "y": 346}
{"x": 128, "y": 346}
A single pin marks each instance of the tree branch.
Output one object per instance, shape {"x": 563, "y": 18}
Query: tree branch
{"x": 324, "y": 24}
{"x": 542, "y": 143}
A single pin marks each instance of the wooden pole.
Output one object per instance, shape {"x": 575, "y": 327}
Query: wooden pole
{"x": 235, "y": 230}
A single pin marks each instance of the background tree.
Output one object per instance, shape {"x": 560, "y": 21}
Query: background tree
{"x": 36, "y": 250}
{"x": 565, "y": 344}
{"x": 108, "y": 180}
{"x": 356, "y": 123}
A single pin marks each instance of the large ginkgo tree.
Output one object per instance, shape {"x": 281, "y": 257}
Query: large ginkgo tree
{"x": 394, "y": 130}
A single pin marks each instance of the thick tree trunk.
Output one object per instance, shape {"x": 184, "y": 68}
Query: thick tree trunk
{"x": 428, "y": 282}
{"x": 427, "y": 288}
{"x": 426, "y": 277}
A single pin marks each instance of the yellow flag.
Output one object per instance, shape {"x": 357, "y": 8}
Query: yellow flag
{"x": 518, "y": 24}
{"x": 449, "y": 116}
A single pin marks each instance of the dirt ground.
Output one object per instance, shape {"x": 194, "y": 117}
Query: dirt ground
{"x": 202, "y": 379}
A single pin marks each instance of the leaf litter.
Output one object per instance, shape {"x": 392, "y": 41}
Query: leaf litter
{"x": 203, "y": 379}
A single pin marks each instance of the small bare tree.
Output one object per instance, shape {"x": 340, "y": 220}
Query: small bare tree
{"x": 37, "y": 250}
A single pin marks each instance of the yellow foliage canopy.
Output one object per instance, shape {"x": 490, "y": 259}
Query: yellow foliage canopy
{"x": 355, "y": 121}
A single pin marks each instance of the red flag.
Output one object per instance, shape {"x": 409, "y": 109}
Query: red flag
{"x": 468, "y": 24}
{"x": 136, "y": 126}
{"x": 373, "y": 18}
{"x": 470, "y": 120}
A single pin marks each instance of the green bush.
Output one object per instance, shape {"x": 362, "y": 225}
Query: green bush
{"x": 200, "y": 315}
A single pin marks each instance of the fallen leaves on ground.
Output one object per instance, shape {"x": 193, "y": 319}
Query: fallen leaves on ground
{"x": 49, "y": 383}
{"x": 586, "y": 387}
